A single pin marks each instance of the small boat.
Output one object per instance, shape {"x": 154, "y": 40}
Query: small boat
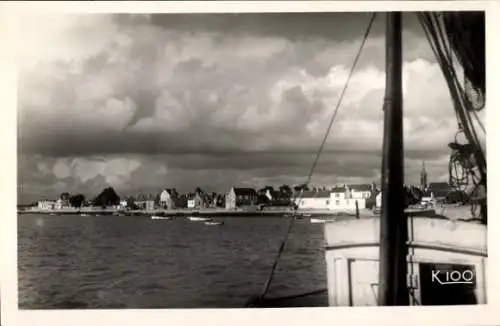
{"x": 52, "y": 214}
{"x": 199, "y": 219}
{"x": 322, "y": 220}
{"x": 156, "y": 217}
{"x": 214, "y": 222}
{"x": 307, "y": 215}
{"x": 83, "y": 214}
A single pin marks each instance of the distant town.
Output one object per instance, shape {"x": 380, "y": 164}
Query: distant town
{"x": 340, "y": 197}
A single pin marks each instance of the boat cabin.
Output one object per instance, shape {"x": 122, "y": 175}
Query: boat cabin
{"x": 446, "y": 262}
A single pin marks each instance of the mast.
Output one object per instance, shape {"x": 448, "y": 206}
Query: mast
{"x": 393, "y": 224}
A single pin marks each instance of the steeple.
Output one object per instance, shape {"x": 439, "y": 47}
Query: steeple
{"x": 423, "y": 177}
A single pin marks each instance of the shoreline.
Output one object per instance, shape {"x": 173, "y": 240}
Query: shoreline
{"x": 209, "y": 212}
{"x": 453, "y": 212}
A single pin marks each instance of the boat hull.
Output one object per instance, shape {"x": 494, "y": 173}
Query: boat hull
{"x": 213, "y": 223}
{"x": 161, "y": 218}
{"x": 321, "y": 220}
{"x": 199, "y": 219}
{"x": 352, "y": 259}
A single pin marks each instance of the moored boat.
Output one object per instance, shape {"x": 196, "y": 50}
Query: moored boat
{"x": 199, "y": 219}
{"x": 213, "y": 223}
{"x": 156, "y": 217}
{"x": 322, "y": 220}
{"x": 435, "y": 247}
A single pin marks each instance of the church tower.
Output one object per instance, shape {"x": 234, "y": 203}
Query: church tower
{"x": 423, "y": 177}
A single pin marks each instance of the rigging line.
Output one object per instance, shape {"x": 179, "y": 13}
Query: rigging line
{"x": 434, "y": 34}
{"x": 453, "y": 73}
{"x": 292, "y": 219}
{"x": 424, "y": 21}
{"x": 465, "y": 105}
{"x": 456, "y": 92}
{"x": 479, "y": 122}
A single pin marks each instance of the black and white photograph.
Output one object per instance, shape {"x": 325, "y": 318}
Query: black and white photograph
{"x": 173, "y": 160}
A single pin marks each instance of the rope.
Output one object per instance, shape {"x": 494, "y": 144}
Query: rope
{"x": 460, "y": 156}
{"x": 334, "y": 115}
{"x": 479, "y": 122}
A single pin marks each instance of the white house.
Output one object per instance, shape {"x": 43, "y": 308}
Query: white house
{"x": 123, "y": 203}
{"x": 61, "y": 204}
{"x": 342, "y": 199}
{"x": 197, "y": 200}
{"x": 346, "y": 198}
{"x": 313, "y": 199}
{"x": 363, "y": 191}
{"x": 337, "y": 199}
{"x": 340, "y": 193}
{"x": 46, "y": 204}
{"x": 191, "y": 203}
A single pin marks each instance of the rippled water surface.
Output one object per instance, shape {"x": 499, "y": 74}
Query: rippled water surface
{"x": 134, "y": 262}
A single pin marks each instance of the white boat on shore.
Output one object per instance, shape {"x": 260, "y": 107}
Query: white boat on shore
{"x": 322, "y": 220}
{"x": 213, "y": 223}
{"x": 156, "y": 217}
{"x": 199, "y": 219}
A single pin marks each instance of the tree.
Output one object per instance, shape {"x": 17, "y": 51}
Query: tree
{"x": 286, "y": 190}
{"x": 198, "y": 190}
{"x": 301, "y": 187}
{"x": 265, "y": 189}
{"x": 131, "y": 203}
{"x": 65, "y": 196}
{"x": 76, "y": 200}
{"x": 107, "y": 197}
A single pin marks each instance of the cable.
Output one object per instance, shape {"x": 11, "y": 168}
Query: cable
{"x": 320, "y": 150}
{"x": 479, "y": 122}
{"x": 460, "y": 169}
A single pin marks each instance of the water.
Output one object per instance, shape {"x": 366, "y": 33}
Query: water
{"x": 134, "y": 262}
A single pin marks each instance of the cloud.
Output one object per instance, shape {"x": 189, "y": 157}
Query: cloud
{"x": 143, "y": 101}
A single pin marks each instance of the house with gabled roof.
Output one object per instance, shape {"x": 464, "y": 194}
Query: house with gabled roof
{"x": 310, "y": 199}
{"x": 46, "y": 204}
{"x": 238, "y": 197}
{"x": 198, "y": 200}
{"x": 168, "y": 198}
{"x": 340, "y": 192}
{"x": 361, "y": 191}
{"x": 337, "y": 198}
{"x": 145, "y": 201}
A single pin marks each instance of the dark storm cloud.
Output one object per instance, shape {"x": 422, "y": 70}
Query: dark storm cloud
{"x": 143, "y": 101}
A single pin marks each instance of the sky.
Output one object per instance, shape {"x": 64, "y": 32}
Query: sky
{"x": 147, "y": 102}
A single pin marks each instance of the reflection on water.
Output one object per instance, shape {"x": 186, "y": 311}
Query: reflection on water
{"x": 134, "y": 262}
